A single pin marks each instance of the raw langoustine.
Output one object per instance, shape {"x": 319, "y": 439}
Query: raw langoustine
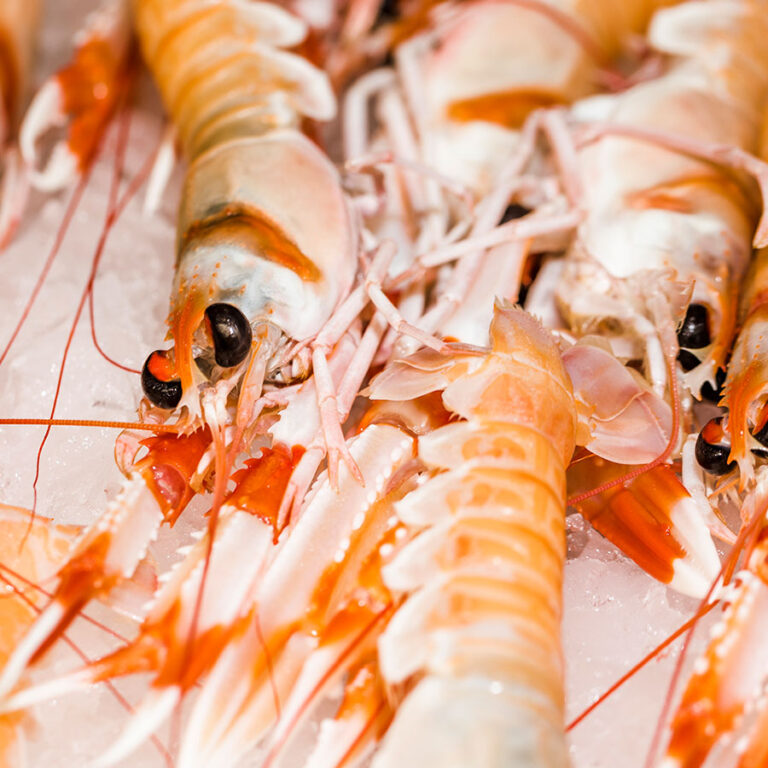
{"x": 670, "y": 225}
{"x": 246, "y": 239}
{"x": 671, "y": 220}
{"x": 480, "y": 626}
{"x": 461, "y": 585}
{"x": 489, "y": 66}
{"x": 266, "y": 247}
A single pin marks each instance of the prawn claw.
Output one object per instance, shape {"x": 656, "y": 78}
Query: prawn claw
{"x": 79, "y": 99}
{"x": 653, "y": 519}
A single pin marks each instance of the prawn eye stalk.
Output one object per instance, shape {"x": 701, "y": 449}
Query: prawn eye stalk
{"x": 158, "y": 382}
{"x": 231, "y": 333}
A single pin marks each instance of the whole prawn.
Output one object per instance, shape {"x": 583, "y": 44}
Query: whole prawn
{"x": 258, "y": 259}
{"x": 266, "y": 248}
{"x": 483, "y": 574}
{"x": 723, "y": 695}
{"x": 498, "y": 62}
{"x": 673, "y": 229}
{"x": 488, "y": 544}
{"x": 672, "y": 221}
{"x": 740, "y": 439}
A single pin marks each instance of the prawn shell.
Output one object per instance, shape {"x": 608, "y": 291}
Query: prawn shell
{"x": 496, "y": 62}
{"x": 482, "y": 576}
{"x": 276, "y": 244}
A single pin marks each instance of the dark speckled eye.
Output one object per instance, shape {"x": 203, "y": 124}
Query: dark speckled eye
{"x": 231, "y": 334}
{"x": 712, "y": 450}
{"x": 158, "y": 382}
{"x": 693, "y": 334}
{"x": 694, "y": 331}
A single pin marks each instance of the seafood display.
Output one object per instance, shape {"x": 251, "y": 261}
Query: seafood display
{"x": 464, "y": 343}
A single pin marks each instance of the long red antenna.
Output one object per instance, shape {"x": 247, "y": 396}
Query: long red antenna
{"x": 46, "y": 593}
{"x": 69, "y": 213}
{"x": 141, "y": 425}
{"x": 122, "y": 143}
{"x": 640, "y": 664}
{"x": 98, "y": 346}
{"x": 115, "y": 208}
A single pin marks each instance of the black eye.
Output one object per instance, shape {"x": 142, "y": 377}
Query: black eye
{"x": 687, "y": 360}
{"x": 694, "y": 332}
{"x": 514, "y": 211}
{"x": 712, "y": 450}
{"x": 708, "y": 392}
{"x": 156, "y": 380}
{"x": 231, "y": 334}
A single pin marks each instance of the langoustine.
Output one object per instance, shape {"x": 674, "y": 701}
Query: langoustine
{"x": 721, "y": 712}
{"x": 739, "y": 440}
{"x": 237, "y": 101}
{"x": 456, "y": 103}
{"x": 296, "y": 291}
{"x": 484, "y": 573}
{"x": 735, "y": 440}
{"x": 474, "y": 78}
{"x": 507, "y": 539}
{"x": 722, "y": 709}
{"x": 675, "y": 226}
{"x": 680, "y": 215}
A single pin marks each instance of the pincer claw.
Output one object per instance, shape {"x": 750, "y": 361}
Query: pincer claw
{"x": 79, "y": 99}
{"x": 653, "y": 520}
{"x": 47, "y": 111}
